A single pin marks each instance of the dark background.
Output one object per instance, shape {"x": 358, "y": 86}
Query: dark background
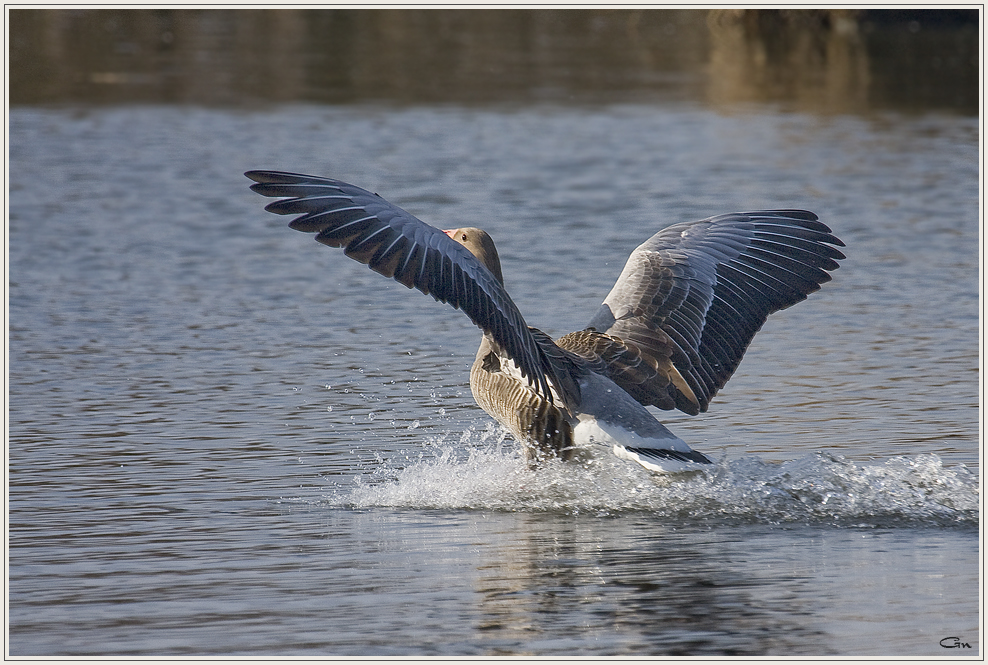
{"x": 803, "y": 59}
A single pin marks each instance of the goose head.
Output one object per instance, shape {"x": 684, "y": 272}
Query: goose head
{"x": 480, "y": 245}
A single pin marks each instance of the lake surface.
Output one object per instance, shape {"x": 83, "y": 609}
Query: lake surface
{"x": 226, "y": 439}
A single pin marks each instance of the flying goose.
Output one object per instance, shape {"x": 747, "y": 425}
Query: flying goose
{"x": 669, "y": 334}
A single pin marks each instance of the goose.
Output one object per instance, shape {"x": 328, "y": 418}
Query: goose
{"x": 670, "y": 333}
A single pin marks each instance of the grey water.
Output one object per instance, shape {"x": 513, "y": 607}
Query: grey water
{"x": 225, "y": 438}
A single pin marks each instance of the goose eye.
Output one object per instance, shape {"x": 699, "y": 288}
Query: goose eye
{"x": 463, "y": 237}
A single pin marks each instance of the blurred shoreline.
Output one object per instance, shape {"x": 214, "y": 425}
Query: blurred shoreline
{"x": 826, "y": 61}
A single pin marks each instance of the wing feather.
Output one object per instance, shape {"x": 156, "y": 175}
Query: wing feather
{"x": 396, "y": 244}
{"x": 697, "y": 293}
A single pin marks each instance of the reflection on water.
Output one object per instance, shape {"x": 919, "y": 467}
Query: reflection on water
{"x": 820, "y": 60}
{"x": 816, "y": 59}
{"x": 655, "y": 589}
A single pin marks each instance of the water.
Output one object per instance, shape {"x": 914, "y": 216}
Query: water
{"x": 228, "y": 439}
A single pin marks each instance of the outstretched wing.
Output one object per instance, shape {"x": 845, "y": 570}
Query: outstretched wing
{"x": 691, "y": 298}
{"x": 398, "y": 245}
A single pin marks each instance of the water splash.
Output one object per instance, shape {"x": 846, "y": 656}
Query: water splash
{"x": 816, "y": 488}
